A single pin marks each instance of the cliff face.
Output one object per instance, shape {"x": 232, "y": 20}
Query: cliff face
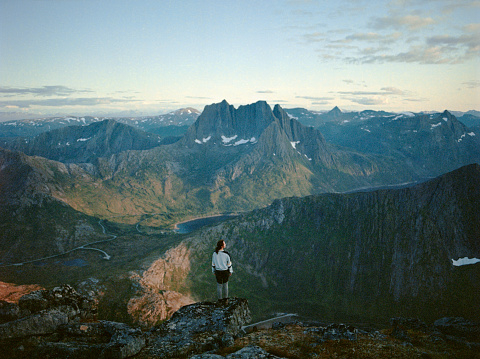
{"x": 158, "y": 288}
{"x": 359, "y": 255}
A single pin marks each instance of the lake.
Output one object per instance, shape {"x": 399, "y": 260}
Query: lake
{"x": 194, "y": 224}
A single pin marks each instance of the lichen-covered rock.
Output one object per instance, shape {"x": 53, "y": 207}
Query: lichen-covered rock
{"x": 333, "y": 332}
{"x": 64, "y": 295}
{"x": 44, "y": 322}
{"x": 252, "y": 352}
{"x": 248, "y": 352}
{"x": 459, "y": 327}
{"x": 9, "y": 311}
{"x": 198, "y": 328}
{"x": 102, "y": 339}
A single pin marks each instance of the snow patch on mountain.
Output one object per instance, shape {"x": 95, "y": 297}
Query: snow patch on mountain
{"x": 294, "y": 144}
{"x": 464, "y": 261}
{"x": 226, "y": 140}
{"x": 204, "y": 140}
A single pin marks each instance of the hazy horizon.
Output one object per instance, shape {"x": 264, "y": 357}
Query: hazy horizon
{"x": 136, "y": 58}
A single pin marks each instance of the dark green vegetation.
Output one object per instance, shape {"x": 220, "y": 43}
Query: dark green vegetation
{"x": 361, "y": 256}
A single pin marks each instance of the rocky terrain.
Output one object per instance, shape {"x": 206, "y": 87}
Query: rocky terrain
{"x": 60, "y": 323}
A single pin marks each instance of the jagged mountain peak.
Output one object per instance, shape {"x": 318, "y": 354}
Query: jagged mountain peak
{"x": 447, "y": 114}
{"x": 223, "y": 123}
{"x": 335, "y": 111}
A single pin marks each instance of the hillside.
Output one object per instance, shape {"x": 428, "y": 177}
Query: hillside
{"x": 34, "y": 224}
{"x": 361, "y": 256}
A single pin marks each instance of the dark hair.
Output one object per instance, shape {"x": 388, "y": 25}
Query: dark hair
{"x": 220, "y": 244}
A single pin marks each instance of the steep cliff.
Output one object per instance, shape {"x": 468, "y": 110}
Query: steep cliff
{"x": 358, "y": 256}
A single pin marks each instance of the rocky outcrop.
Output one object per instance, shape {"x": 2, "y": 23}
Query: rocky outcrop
{"x": 57, "y": 324}
{"x": 158, "y": 297}
{"x": 198, "y": 328}
{"x": 249, "y": 352}
{"x": 60, "y": 323}
{"x": 42, "y": 312}
{"x": 459, "y": 327}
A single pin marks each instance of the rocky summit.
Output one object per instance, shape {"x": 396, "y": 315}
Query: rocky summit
{"x": 60, "y": 323}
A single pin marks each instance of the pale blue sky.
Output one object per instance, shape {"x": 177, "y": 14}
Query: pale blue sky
{"x": 94, "y": 57}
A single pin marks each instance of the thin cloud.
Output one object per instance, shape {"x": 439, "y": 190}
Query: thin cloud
{"x": 411, "y": 22}
{"x": 383, "y": 91}
{"x": 370, "y": 36}
{"x": 422, "y": 54}
{"x": 369, "y": 101}
{"x": 265, "y": 91}
{"x": 41, "y": 91}
{"x": 314, "y": 37}
{"x": 472, "y": 84}
{"x": 374, "y": 98}
{"x": 315, "y": 98}
{"x": 62, "y": 102}
{"x": 198, "y": 97}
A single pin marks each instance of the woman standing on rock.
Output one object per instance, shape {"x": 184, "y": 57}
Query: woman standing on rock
{"x": 222, "y": 268}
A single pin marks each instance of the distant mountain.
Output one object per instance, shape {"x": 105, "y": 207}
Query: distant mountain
{"x": 334, "y": 116}
{"x": 33, "y": 127}
{"x": 230, "y": 160}
{"x": 357, "y": 257}
{"x": 471, "y": 119}
{"x": 431, "y": 144}
{"x": 78, "y": 144}
{"x": 182, "y": 117}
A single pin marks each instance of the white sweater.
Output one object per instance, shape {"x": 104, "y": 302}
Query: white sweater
{"x": 221, "y": 261}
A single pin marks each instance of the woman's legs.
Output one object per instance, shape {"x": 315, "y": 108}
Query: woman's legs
{"x": 222, "y": 284}
{"x": 219, "y": 290}
{"x": 225, "y": 290}
{"x": 222, "y": 290}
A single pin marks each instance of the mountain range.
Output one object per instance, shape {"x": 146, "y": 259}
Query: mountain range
{"x": 183, "y": 117}
{"x": 335, "y": 251}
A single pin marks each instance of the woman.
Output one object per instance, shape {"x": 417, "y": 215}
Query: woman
{"x": 222, "y": 269}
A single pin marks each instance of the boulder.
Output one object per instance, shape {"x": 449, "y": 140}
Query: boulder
{"x": 44, "y": 322}
{"x": 64, "y": 295}
{"x": 401, "y": 326}
{"x": 198, "y": 328}
{"x": 9, "y": 312}
{"x": 459, "y": 327}
{"x": 252, "y": 352}
{"x": 47, "y": 324}
{"x": 333, "y": 332}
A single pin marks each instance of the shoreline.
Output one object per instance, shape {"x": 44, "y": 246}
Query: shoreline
{"x": 175, "y": 226}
